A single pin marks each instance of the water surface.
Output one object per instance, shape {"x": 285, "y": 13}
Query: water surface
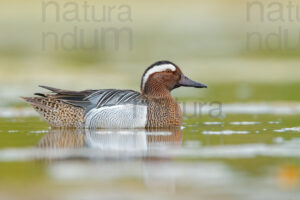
{"x": 241, "y": 156}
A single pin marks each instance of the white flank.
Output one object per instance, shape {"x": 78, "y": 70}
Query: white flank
{"x": 157, "y": 68}
{"x": 119, "y": 116}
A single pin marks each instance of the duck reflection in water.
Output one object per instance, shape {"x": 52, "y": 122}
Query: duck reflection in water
{"x": 116, "y": 146}
{"x": 135, "y": 140}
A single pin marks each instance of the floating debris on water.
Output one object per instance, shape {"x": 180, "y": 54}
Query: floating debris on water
{"x": 297, "y": 129}
{"x": 244, "y": 123}
{"x": 225, "y": 132}
{"x": 40, "y": 131}
{"x": 13, "y": 131}
{"x": 288, "y": 175}
{"x": 274, "y": 122}
{"x": 212, "y": 123}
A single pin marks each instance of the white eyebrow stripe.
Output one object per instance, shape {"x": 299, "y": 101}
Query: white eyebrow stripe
{"x": 157, "y": 68}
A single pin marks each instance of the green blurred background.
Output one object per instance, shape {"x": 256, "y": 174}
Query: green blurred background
{"x": 244, "y": 50}
{"x": 209, "y": 40}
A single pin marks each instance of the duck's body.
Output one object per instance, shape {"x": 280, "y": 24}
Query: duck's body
{"x": 110, "y": 108}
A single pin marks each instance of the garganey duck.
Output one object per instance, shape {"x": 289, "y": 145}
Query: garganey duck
{"x": 111, "y": 108}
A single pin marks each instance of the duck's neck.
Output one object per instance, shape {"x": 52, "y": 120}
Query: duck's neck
{"x": 156, "y": 90}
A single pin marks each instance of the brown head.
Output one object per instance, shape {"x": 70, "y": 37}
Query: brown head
{"x": 164, "y": 76}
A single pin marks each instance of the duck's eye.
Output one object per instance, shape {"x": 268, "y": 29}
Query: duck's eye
{"x": 169, "y": 71}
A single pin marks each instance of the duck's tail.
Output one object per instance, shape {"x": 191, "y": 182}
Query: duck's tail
{"x": 56, "y": 111}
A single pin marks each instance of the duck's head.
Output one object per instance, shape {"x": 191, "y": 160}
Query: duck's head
{"x": 164, "y": 76}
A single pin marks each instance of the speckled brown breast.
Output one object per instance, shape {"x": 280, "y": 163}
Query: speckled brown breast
{"x": 163, "y": 112}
